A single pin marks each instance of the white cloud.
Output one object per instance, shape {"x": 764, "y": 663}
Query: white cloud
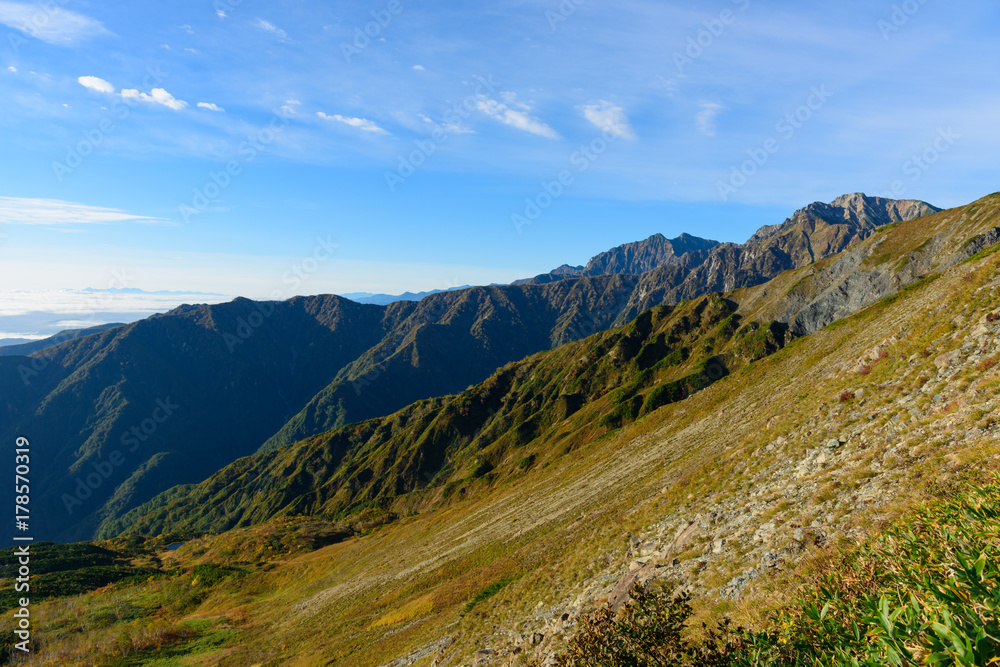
{"x": 705, "y": 118}
{"x": 94, "y": 83}
{"x": 49, "y": 23}
{"x": 451, "y": 128}
{"x": 608, "y": 118}
{"x": 157, "y": 96}
{"x": 267, "y": 26}
{"x": 194, "y": 51}
{"x": 419, "y": 68}
{"x": 211, "y": 106}
{"x": 221, "y": 14}
{"x": 23, "y": 211}
{"x": 12, "y": 69}
{"x": 511, "y": 98}
{"x": 362, "y": 124}
{"x": 188, "y": 29}
{"x": 519, "y": 119}
{"x": 290, "y": 107}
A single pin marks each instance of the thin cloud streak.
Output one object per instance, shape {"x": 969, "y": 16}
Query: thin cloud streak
{"x": 50, "y": 23}
{"x": 25, "y": 211}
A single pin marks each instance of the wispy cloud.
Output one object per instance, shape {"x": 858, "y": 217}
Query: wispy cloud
{"x": 450, "y": 127}
{"x": 211, "y": 106}
{"x": 517, "y": 117}
{"x": 95, "y": 83}
{"x": 362, "y": 124}
{"x": 24, "y": 211}
{"x": 419, "y": 68}
{"x": 705, "y": 119}
{"x": 290, "y": 107}
{"x": 609, "y": 118}
{"x": 155, "y": 96}
{"x": 49, "y": 23}
{"x": 267, "y": 26}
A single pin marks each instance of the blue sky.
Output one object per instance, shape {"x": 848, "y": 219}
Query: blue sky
{"x": 268, "y": 149}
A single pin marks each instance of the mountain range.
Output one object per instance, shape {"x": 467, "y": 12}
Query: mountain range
{"x": 411, "y": 458}
{"x": 258, "y": 376}
{"x": 386, "y": 299}
{"x": 730, "y": 447}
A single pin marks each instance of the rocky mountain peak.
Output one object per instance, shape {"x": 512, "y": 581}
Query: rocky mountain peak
{"x": 856, "y": 210}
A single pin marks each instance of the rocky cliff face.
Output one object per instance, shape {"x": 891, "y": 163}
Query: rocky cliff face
{"x": 813, "y": 232}
{"x": 854, "y": 210}
{"x": 634, "y": 258}
{"x": 810, "y": 234}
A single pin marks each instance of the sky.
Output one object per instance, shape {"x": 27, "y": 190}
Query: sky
{"x": 268, "y": 149}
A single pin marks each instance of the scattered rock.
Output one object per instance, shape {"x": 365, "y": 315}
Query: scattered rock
{"x": 947, "y": 359}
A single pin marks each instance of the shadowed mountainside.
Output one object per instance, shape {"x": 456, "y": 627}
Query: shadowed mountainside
{"x": 248, "y": 376}
{"x": 431, "y": 450}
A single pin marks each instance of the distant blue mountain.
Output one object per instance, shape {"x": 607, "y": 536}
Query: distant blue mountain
{"x": 4, "y": 342}
{"x": 26, "y": 348}
{"x": 385, "y": 299}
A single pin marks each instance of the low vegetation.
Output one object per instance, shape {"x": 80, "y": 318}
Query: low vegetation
{"x": 926, "y": 593}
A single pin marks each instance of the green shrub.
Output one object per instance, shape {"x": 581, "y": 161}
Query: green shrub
{"x": 674, "y": 358}
{"x": 487, "y": 593}
{"x": 926, "y": 592}
{"x": 664, "y": 394}
{"x": 209, "y": 574}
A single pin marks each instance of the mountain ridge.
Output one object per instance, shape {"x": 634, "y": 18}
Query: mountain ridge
{"x": 857, "y": 214}
{"x": 29, "y": 347}
{"x": 309, "y": 364}
{"x": 351, "y": 477}
{"x": 386, "y": 299}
